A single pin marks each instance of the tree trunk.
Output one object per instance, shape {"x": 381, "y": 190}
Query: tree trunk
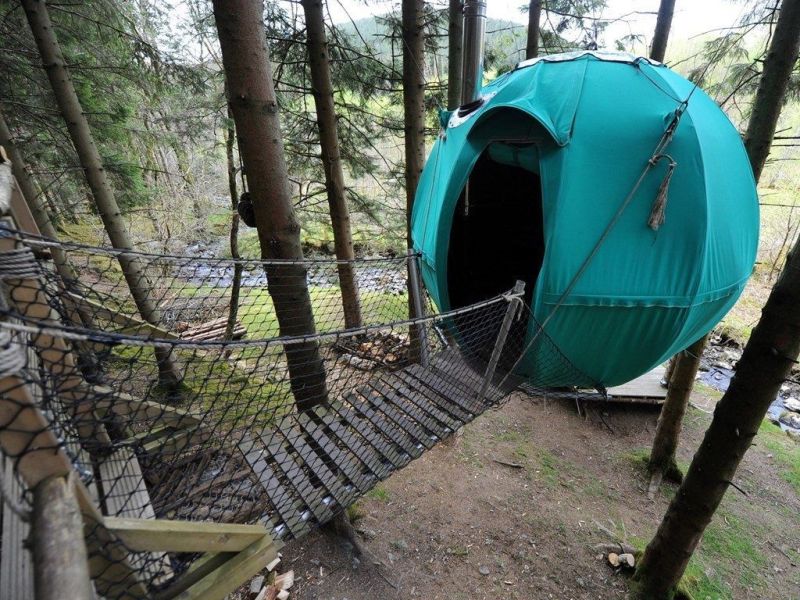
{"x": 663, "y": 23}
{"x": 534, "y": 16}
{"x": 765, "y": 364}
{"x": 251, "y": 95}
{"x": 236, "y": 283}
{"x": 760, "y": 131}
{"x": 319, "y": 61}
{"x": 772, "y": 87}
{"x": 414, "y": 119}
{"x": 455, "y": 36}
{"x": 81, "y": 136}
{"x": 662, "y": 457}
{"x": 33, "y": 199}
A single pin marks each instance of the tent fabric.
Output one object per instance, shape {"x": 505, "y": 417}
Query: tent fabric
{"x": 590, "y": 122}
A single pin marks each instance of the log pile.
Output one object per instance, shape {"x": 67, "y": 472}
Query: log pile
{"x": 210, "y": 330}
{"x": 381, "y": 349}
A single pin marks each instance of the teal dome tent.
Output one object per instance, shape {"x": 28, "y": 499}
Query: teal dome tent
{"x": 560, "y": 176}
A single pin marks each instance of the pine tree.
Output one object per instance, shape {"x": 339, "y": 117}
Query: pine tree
{"x": 254, "y": 106}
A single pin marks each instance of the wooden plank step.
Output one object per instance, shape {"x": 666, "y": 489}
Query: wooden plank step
{"x": 458, "y": 413}
{"x": 317, "y": 465}
{"x": 366, "y": 453}
{"x": 16, "y": 562}
{"x": 381, "y": 402}
{"x": 445, "y": 389}
{"x": 426, "y": 400}
{"x": 419, "y": 411}
{"x": 370, "y": 435}
{"x": 350, "y": 465}
{"x": 310, "y": 495}
{"x": 389, "y": 430}
{"x": 457, "y": 374}
{"x": 460, "y": 370}
{"x": 125, "y": 495}
{"x": 286, "y": 504}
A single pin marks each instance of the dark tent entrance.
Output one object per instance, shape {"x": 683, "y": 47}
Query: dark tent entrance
{"x": 497, "y": 234}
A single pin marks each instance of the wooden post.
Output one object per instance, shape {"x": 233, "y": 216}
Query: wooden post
{"x": 415, "y": 292}
{"x": 61, "y": 564}
{"x": 514, "y": 302}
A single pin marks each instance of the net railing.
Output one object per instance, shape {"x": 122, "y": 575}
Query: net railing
{"x": 196, "y": 297}
{"x": 284, "y": 431}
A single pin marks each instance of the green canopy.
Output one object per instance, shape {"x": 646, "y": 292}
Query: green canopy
{"x": 533, "y": 185}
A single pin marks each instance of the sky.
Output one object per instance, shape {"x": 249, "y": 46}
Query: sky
{"x": 692, "y": 17}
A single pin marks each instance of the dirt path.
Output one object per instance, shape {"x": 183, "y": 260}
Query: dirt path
{"x": 458, "y": 524}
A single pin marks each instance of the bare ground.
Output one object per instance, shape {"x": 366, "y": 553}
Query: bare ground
{"x": 459, "y": 524}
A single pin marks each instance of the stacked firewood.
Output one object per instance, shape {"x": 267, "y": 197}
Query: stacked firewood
{"x": 210, "y": 330}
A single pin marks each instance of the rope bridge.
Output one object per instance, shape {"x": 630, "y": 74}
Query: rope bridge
{"x": 178, "y": 482}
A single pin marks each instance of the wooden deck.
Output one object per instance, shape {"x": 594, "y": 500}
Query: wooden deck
{"x": 646, "y": 389}
{"x": 313, "y": 464}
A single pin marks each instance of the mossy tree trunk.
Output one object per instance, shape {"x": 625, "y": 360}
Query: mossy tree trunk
{"x": 251, "y": 96}
{"x": 766, "y": 361}
{"x": 662, "y": 458}
{"x": 91, "y": 162}
{"x": 414, "y": 120}
{"x": 322, "y": 90}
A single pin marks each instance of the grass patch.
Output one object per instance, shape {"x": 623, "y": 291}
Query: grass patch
{"x": 379, "y": 493}
{"x": 785, "y": 451}
{"x": 726, "y": 553}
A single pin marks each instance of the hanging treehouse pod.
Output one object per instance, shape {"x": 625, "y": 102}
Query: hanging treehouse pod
{"x": 555, "y": 177}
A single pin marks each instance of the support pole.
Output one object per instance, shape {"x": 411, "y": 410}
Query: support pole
{"x": 514, "y": 303}
{"x": 61, "y": 564}
{"x": 415, "y": 289}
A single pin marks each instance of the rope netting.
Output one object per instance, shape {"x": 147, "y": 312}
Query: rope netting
{"x": 284, "y": 431}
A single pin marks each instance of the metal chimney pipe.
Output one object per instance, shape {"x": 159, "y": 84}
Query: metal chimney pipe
{"x": 474, "y": 37}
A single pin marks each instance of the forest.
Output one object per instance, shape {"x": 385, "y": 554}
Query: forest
{"x": 224, "y": 195}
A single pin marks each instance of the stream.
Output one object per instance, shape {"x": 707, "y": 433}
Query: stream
{"x": 717, "y": 367}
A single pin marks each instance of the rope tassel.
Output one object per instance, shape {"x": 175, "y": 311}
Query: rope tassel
{"x": 658, "y": 212}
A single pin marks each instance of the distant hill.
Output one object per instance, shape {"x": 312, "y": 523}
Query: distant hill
{"x": 505, "y": 40}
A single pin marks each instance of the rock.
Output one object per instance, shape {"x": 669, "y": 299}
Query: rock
{"x": 400, "y": 545}
{"x": 791, "y": 419}
{"x": 792, "y": 404}
{"x": 794, "y": 434}
{"x": 721, "y": 364}
{"x": 613, "y": 559}
{"x": 483, "y": 570}
{"x": 773, "y": 418}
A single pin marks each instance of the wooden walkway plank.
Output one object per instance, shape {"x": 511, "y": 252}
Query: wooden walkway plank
{"x": 365, "y": 452}
{"x": 386, "y": 426}
{"x": 312, "y": 496}
{"x": 452, "y": 363}
{"x": 371, "y": 436}
{"x": 458, "y": 413}
{"x": 423, "y": 410}
{"x": 422, "y": 397}
{"x": 445, "y": 389}
{"x": 317, "y": 465}
{"x": 406, "y": 421}
{"x": 16, "y": 562}
{"x": 348, "y": 462}
{"x": 287, "y": 506}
